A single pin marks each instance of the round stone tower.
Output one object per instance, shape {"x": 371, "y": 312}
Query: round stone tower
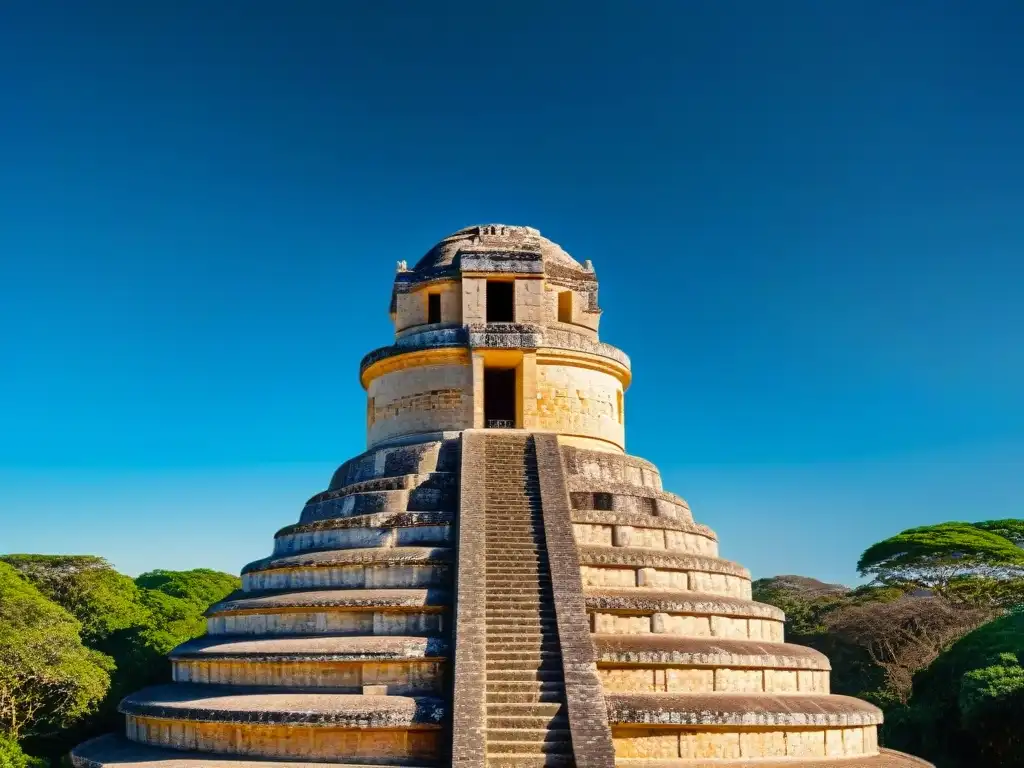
{"x": 494, "y": 581}
{"x": 496, "y": 327}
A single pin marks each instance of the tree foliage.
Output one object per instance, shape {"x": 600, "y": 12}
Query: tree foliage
{"x": 967, "y": 706}
{"x": 201, "y": 586}
{"x": 48, "y": 678}
{"x": 12, "y": 755}
{"x": 943, "y": 557}
{"x": 905, "y": 635}
{"x": 103, "y": 600}
{"x": 130, "y": 624}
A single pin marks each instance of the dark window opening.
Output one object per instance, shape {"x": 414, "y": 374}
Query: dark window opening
{"x": 500, "y": 398}
{"x": 603, "y": 501}
{"x": 648, "y": 505}
{"x": 565, "y": 307}
{"x": 500, "y": 301}
{"x": 433, "y": 307}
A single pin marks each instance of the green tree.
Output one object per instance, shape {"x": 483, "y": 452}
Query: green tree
{"x": 903, "y": 636}
{"x": 957, "y": 561}
{"x": 12, "y": 756}
{"x": 966, "y": 708}
{"x": 48, "y": 678}
{"x": 200, "y": 586}
{"x": 103, "y": 600}
{"x": 135, "y": 624}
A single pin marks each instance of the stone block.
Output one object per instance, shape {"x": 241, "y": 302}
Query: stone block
{"x": 762, "y": 744}
{"x": 714, "y": 745}
{"x": 805, "y": 744}
{"x": 679, "y": 680}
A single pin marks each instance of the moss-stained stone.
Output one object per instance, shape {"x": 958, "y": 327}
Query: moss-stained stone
{"x": 592, "y": 622}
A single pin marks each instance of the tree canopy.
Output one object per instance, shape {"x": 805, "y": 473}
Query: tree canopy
{"x": 940, "y": 557}
{"x": 967, "y": 706}
{"x": 48, "y": 678}
{"x": 128, "y": 626}
{"x": 200, "y": 586}
{"x": 103, "y": 600}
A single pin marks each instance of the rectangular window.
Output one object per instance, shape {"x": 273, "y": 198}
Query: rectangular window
{"x": 565, "y": 307}
{"x": 433, "y": 307}
{"x": 603, "y": 501}
{"x": 500, "y": 301}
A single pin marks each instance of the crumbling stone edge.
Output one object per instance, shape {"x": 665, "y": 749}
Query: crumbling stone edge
{"x": 470, "y": 627}
{"x": 588, "y": 712}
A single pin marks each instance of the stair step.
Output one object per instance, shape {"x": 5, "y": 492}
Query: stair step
{"x": 530, "y": 761}
{"x": 528, "y": 734}
{"x": 525, "y": 675}
{"x": 512, "y": 686}
{"x": 524, "y": 697}
{"x": 524, "y": 721}
{"x": 520, "y": 621}
{"x": 530, "y": 662}
{"x": 523, "y": 747}
{"x": 518, "y": 598}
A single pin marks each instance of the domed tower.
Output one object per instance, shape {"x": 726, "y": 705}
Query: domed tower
{"x": 494, "y": 581}
{"x": 496, "y": 328}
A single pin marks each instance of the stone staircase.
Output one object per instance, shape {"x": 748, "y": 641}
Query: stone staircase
{"x": 527, "y": 722}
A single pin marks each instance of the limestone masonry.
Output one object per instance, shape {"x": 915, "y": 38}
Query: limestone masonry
{"x": 494, "y": 582}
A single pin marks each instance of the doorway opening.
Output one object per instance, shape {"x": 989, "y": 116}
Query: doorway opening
{"x": 500, "y": 398}
{"x": 500, "y": 301}
{"x": 433, "y": 307}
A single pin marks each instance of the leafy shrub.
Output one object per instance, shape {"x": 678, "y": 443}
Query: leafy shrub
{"x": 11, "y": 755}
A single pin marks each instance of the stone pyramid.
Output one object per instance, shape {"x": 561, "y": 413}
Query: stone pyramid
{"x": 495, "y": 581}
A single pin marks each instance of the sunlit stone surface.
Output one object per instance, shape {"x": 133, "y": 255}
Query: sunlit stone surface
{"x": 495, "y": 581}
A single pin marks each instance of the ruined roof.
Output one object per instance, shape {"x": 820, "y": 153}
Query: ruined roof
{"x": 493, "y": 238}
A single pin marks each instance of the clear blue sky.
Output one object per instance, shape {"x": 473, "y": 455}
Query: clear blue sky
{"x": 807, "y": 219}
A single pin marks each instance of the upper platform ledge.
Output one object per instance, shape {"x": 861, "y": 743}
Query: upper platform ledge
{"x": 496, "y": 335}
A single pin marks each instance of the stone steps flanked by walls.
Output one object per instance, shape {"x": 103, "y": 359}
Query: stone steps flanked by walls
{"x": 523, "y": 631}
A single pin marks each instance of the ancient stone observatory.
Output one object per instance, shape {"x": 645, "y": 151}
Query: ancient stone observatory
{"x": 494, "y": 582}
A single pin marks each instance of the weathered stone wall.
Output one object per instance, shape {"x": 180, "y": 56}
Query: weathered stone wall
{"x": 579, "y": 401}
{"x": 470, "y": 626}
{"x": 273, "y": 740}
{"x": 588, "y": 712}
{"x": 411, "y": 307}
{"x": 766, "y": 743}
{"x": 432, "y": 398}
{"x": 582, "y": 319}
